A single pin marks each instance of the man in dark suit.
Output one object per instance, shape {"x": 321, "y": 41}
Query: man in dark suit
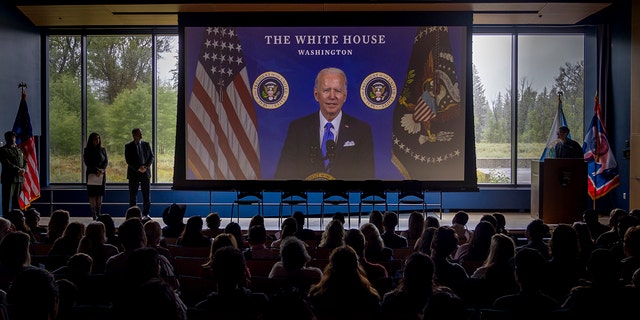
{"x": 139, "y": 157}
{"x": 13, "y": 170}
{"x": 328, "y": 144}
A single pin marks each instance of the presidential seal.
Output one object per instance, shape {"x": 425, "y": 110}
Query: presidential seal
{"x": 378, "y": 91}
{"x": 270, "y": 90}
{"x": 320, "y": 176}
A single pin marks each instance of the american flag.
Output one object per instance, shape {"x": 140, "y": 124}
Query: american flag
{"x": 424, "y": 111}
{"x": 602, "y": 166}
{"x": 24, "y": 140}
{"x": 222, "y": 135}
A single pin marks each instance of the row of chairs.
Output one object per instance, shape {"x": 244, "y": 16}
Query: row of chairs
{"x": 340, "y": 198}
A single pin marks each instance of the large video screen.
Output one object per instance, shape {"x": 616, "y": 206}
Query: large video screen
{"x": 252, "y": 112}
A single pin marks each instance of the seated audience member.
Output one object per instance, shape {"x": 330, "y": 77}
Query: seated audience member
{"x": 375, "y": 217}
{"x": 564, "y": 267}
{"x": 235, "y": 229}
{"x": 5, "y": 227}
{"x": 173, "y": 216}
{"x": 14, "y": 257}
{"x": 153, "y": 232}
{"x": 631, "y": 262}
{"x": 604, "y": 296}
{"x": 409, "y": 298}
{"x": 94, "y": 244}
{"x": 192, "y": 234}
{"x": 445, "y": 305}
{"x": 212, "y": 221}
{"x": 389, "y": 236}
{"x": 473, "y": 253}
{"x": 258, "y": 249}
{"x": 501, "y": 223}
{"x": 536, "y": 232}
{"x": 431, "y": 221}
{"x": 293, "y": 264}
{"x": 530, "y": 302}
{"x": 32, "y": 219}
{"x": 624, "y": 224}
{"x": 355, "y": 239}
{"x": 375, "y": 250}
{"x": 288, "y": 228}
{"x": 67, "y": 244}
{"x": 423, "y": 244}
{"x": 133, "y": 212}
{"x": 338, "y": 216}
{"x": 447, "y": 273}
{"x": 232, "y": 299}
{"x": 143, "y": 286}
{"x": 58, "y": 221}
{"x": 495, "y": 277}
{"x": 110, "y": 230}
{"x": 611, "y": 236}
{"x": 343, "y": 282}
{"x": 16, "y": 216}
{"x": 414, "y": 226}
{"x": 303, "y": 233}
{"x": 592, "y": 218}
{"x": 459, "y": 224}
{"x": 33, "y": 295}
{"x": 220, "y": 241}
{"x": 585, "y": 242}
{"x": 332, "y": 236}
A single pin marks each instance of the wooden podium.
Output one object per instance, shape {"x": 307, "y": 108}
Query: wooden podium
{"x": 558, "y": 190}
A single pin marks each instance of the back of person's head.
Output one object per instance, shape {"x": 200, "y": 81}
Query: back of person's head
{"x": 590, "y": 216}
{"x": 444, "y": 242}
{"x": 33, "y": 295}
{"x": 299, "y": 217}
{"x": 289, "y": 227}
{"x": 16, "y": 216}
{"x": 95, "y": 232}
{"x": 193, "y": 226}
{"x": 220, "y": 241}
{"x": 444, "y": 304}
{"x": 14, "y": 250}
{"x": 5, "y": 227}
{"x": 431, "y": 221}
{"x": 564, "y": 241}
{"x": 141, "y": 265}
{"x": 154, "y": 299}
{"x": 293, "y": 254}
{"x": 173, "y": 215}
{"x": 229, "y": 267}
{"x": 32, "y": 217}
{"x": 74, "y": 230}
{"x": 80, "y": 264}
{"x": 109, "y": 224}
{"x": 425, "y": 240}
{"x": 615, "y": 215}
{"x": 632, "y": 242}
{"x": 213, "y": 220}
{"x": 375, "y": 217}
{"x": 333, "y": 235}
{"x": 418, "y": 273}
{"x": 460, "y": 217}
{"x": 501, "y": 220}
{"x": 133, "y": 212}
{"x": 256, "y": 220}
{"x": 355, "y": 239}
{"x": 389, "y": 221}
{"x": 343, "y": 263}
{"x": 131, "y": 234}
{"x": 338, "y": 216}
{"x": 489, "y": 218}
{"x": 501, "y": 250}
{"x": 234, "y": 229}
{"x": 415, "y": 224}
{"x": 153, "y": 232}
{"x": 58, "y": 221}
{"x": 602, "y": 267}
{"x": 529, "y": 267}
{"x": 626, "y": 222}
{"x": 372, "y": 236}
{"x": 537, "y": 229}
{"x": 257, "y": 234}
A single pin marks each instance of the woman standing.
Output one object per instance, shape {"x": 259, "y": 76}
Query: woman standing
{"x": 96, "y": 160}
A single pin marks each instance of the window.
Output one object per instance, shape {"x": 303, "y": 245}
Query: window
{"x": 511, "y": 133}
{"x": 117, "y": 94}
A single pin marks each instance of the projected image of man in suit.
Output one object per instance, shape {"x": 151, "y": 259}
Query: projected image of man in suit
{"x": 329, "y": 141}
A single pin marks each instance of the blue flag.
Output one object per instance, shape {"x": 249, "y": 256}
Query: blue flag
{"x": 602, "y": 168}
{"x": 558, "y": 122}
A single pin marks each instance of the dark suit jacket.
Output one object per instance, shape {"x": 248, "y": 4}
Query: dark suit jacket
{"x": 134, "y": 163}
{"x": 13, "y": 160}
{"x": 301, "y": 155}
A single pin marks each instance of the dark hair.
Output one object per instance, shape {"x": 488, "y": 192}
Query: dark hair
{"x": 9, "y": 135}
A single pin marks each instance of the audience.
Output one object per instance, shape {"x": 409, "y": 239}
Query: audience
{"x": 459, "y": 224}
{"x": 302, "y": 232}
{"x": 14, "y": 257}
{"x": 110, "y": 230}
{"x": 415, "y": 225}
{"x": 501, "y": 223}
{"x": 631, "y": 262}
{"x": 355, "y": 239}
{"x": 94, "y": 244}
{"x": 173, "y": 216}
{"x": 423, "y": 244}
{"x": 293, "y": 263}
{"x": 564, "y": 268}
{"x": 33, "y": 295}
{"x": 592, "y": 218}
{"x": 375, "y": 250}
{"x": 333, "y": 235}
{"x": 288, "y": 228}
{"x": 32, "y": 219}
{"x": 447, "y": 272}
{"x": 415, "y": 288}
{"x": 213, "y": 222}
{"x": 375, "y": 217}
{"x": 6, "y": 227}
{"x": 153, "y": 233}
{"x": 536, "y": 232}
{"x": 16, "y": 216}
{"x": 192, "y": 235}
{"x": 473, "y": 253}
{"x": 235, "y": 229}
{"x": 258, "y": 249}
{"x": 58, "y": 221}
{"x": 67, "y": 244}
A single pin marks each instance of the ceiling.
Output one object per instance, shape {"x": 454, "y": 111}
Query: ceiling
{"x": 69, "y": 14}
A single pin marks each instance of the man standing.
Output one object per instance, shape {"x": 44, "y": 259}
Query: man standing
{"x": 328, "y": 141}
{"x": 567, "y": 148}
{"x": 13, "y": 170}
{"x": 139, "y": 157}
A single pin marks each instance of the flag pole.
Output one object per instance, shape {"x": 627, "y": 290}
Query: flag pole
{"x": 595, "y": 176}
{"x": 22, "y": 85}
